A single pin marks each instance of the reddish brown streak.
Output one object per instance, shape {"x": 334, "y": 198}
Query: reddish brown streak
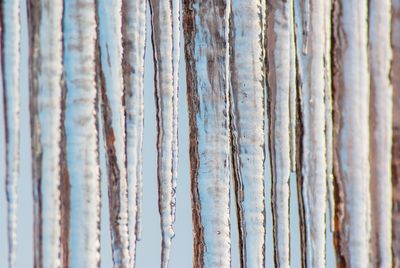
{"x": 396, "y": 133}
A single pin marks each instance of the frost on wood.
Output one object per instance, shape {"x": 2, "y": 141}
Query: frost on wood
{"x": 45, "y": 32}
{"x": 113, "y": 111}
{"x": 311, "y": 170}
{"x": 278, "y": 57}
{"x": 134, "y": 39}
{"x": 79, "y": 25}
{"x": 395, "y": 38}
{"x": 247, "y": 126}
{"x": 380, "y": 56}
{"x": 351, "y": 133}
{"x": 10, "y": 73}
{"x": 206, "y": 45}
{"x": 165, "y": 33}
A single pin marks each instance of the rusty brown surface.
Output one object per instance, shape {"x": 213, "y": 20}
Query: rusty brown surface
{"x": 188, "y": 22}
{"x": 338, "y": 41}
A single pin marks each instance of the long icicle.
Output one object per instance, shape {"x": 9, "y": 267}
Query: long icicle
{"x": 328, "y": 110}
{"x": 278, "y": 81}
{"x": 351, "y": 132}
{"x": 206, "y": 47}
{"x": 380, "y": 56}
{"x": 395, "y": 38}
{"x": 247, "y": 126}
{"x": 134, "y": 40}
{"x": 79, "y": 24}
{"x": 311, "y": 168}
{"x": 45, "y": 31}
{"x": 113, "y": 111}
{"x": 166, "y": 63}
{"x": 292, "y": 92}
{"x": 176, "y": 26}
{"x": 10, "y": 61}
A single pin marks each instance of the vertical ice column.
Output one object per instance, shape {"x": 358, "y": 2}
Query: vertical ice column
{"x": 113, "y": 114}
{"x": 247, "y": 115}
{"x": 165, "y": 36}
{"x": 380, "y": 56}
{"x": 328, "y": 110}
{"x": 134, "y": 40}
{"x": 278, "y": 55}
{"x": 247, "y": 127}
{"x": 206, "y": 30}
{"x": 10, "y": 73}
{"x": 45, "y": 32}
{"x": 351, "y": 132}
{"x": 311, "y": 169}
{"x": 80, "y": 37}
{"x": 292, "y": 91}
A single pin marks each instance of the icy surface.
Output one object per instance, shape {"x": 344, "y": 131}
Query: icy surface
{"x": 278, "y": 79}
{"x": 165, "y": 33}
{"x": 292, "y": 91}
{"x": 134, "y": 38}
{"x": 113, "y": 110}
{"x": 45, "y": 18}
{"x": 380, "y": 56}
{"x": 340, "y": 134}
{"x": 247, "y": 127}
{"x": 351, "y": 133}
{"x": 10, "y": 57}
{"x": 206, "y": 42}
{"x": 81, "y": 131}
{"x": 328, "y": 110}
{"x": 311, "y": 172}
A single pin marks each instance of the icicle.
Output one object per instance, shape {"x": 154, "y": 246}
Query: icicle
{"x": 305, "y": 25}
{"x": 278, "y": 80}
{"x": 292, "y": 92}
{"x": 81, "y": 131}
{"x": 10, "y": 58}
{"x": 134, "y": 39}
{"x": 247, "y": 71}
{"x": 311, "y": 172}
{"x": 45, "y": 33}
{"x": 176, "y": 52}
{"x": 113, "y": 110}
{"x": 380, "y": 56}
{"x": 165, "y": 33}
{"x": 351, "y": 133}
{"x": 206, "y": 42}
{"x": 328, "y": 109}
{"x": 395, "y": 70}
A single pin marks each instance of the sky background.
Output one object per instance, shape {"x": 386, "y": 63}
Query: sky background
{"x": 149, "y": 248}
